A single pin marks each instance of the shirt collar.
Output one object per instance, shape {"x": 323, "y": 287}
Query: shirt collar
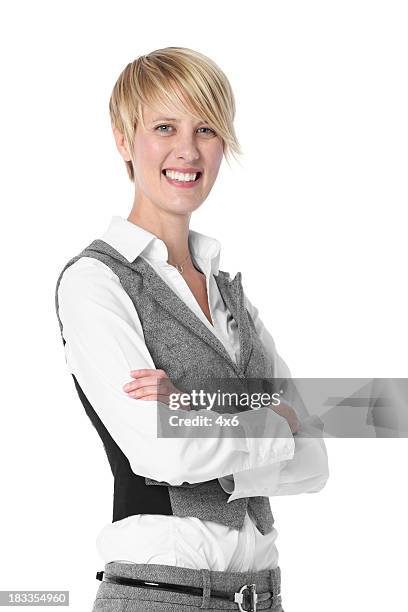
{"x": 131, "y": 240}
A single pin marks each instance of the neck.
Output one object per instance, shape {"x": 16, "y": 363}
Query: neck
{"x": 172, "y": 229}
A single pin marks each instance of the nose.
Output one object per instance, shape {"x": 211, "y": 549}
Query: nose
{"x": 186, "y": 148}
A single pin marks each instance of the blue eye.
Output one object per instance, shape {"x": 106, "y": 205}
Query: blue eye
{"x": 163, "y": 125}
{"x": 166, "y": 125}
{"x": 206, "y": 128}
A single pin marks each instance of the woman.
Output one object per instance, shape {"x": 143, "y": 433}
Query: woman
{"x": 143, "y": 312}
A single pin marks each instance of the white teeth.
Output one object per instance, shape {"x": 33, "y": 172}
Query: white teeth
{"x": 180, "y": 176}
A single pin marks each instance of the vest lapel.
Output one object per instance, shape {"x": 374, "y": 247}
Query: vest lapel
{"x": 169, "y": 300}
{"x": 233, "y": 295}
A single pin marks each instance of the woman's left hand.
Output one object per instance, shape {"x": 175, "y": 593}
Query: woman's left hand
{"x": 147, "y": 382}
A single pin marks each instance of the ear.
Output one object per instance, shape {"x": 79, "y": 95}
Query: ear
{"x": 121, "y": 144}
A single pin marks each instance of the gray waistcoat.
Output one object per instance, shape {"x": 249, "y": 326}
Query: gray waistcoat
{"x": 180, "y": 344}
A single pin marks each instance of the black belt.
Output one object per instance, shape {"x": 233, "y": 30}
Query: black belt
{"x": 246, "y": 596}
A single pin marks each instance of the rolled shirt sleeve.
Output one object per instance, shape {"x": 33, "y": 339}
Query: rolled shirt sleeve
{"x": 307, "y": 471}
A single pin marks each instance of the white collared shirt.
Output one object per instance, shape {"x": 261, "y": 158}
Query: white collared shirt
{"x": 104, "y": 341}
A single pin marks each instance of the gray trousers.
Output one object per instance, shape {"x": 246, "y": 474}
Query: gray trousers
{"x": 112, "y": 597}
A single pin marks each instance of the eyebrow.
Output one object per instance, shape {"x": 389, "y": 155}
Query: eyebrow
{"x": 164, "y": 119}
{"x": 172, "y": 119}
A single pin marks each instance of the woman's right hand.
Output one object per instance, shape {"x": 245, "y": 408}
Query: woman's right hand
{"x": 146, "y": 386}
{"x": 289, "y": 414}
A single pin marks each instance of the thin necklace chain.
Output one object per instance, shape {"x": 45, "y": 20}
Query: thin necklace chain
{"x": 179, "y": 266}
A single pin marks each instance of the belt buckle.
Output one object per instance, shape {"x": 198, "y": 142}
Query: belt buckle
{"x": 239, "y": 598}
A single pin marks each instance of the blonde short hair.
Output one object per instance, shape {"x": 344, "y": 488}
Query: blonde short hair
{"x": 160, "y": 77}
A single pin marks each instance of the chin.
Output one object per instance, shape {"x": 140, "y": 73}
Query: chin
{"x": 182, "y": 207}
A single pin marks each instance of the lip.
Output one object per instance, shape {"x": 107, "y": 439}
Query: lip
{"x": 181, "y": 184}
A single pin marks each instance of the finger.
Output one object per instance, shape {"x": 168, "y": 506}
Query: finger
{"x": 141, "y": 372}
{"x": 140, "y": 382}
{"x": 152, "y": 379}
{"x": 154, "y": 396}
{"x": 147, "y": 372}
{"x": 143, "y": 391}
{"x": 143, "y": 376}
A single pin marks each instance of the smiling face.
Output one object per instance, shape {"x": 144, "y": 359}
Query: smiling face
{"x": 179, "y": 142}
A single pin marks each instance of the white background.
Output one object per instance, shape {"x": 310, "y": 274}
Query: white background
{"x": 313, "y": 216}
